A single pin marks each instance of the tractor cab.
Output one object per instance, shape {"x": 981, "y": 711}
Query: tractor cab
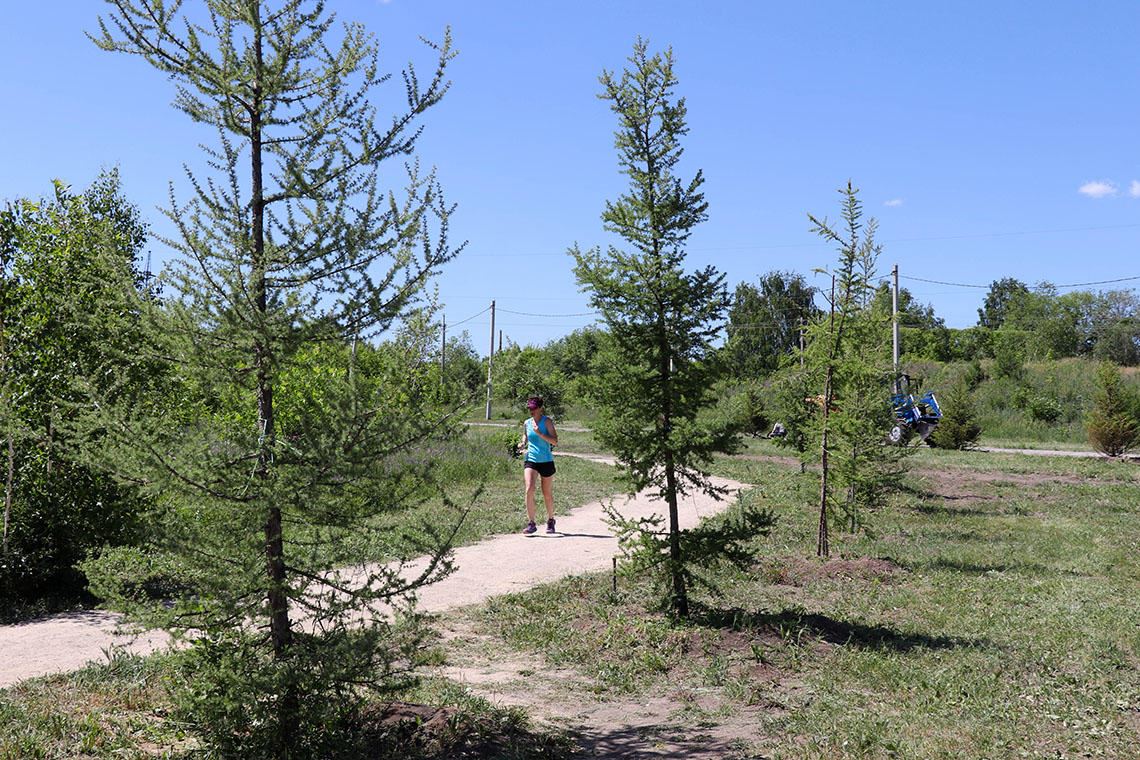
{"x": 913, "y": 417}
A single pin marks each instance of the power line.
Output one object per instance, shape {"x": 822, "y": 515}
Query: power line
{"x": 456, "y": 324}
{"x": 530, "y": 314}
{"x": 890, "y": 241}
{"x": 1033, "y": 287}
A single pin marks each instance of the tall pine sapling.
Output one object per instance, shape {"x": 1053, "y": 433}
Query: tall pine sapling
{"x": 850, "y": 352}
{"x": 656, "y": 374}
{"x": 292, "y": 245}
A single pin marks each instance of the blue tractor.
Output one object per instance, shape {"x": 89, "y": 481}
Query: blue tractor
{"x": 913, "y": 417}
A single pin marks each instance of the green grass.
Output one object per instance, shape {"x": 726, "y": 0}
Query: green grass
{"x": 114, "y": 710}
{"x": 122, "y": 710}
{"x": 485, "y": 487}
{"x": 988, "y": 612}
{"x": 1001, "y": 405}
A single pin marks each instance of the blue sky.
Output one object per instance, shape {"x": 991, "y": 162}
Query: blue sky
{"x": 989, "y": 139}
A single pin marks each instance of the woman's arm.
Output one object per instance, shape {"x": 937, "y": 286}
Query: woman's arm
{"x": 552, "y": 438}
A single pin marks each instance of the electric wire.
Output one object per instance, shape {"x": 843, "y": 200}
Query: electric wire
{"x": 1031, "y": 287}
{"x": 456, "y": 324}
{"x": 531, "y": 314}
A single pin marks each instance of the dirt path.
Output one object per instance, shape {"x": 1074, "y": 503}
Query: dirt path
{"x": 1051, "y": 453}
{"x": 496, "y": 565}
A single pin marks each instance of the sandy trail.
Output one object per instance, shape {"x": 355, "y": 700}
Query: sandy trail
{"x": 497, "y": 565}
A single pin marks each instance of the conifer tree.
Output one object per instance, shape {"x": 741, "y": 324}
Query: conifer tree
{"x": 299, "y": 242}
{"x": 1111, "y": 423}
{"x": 848, "y": 351}
{"x": 657, "y": 372}
{"x": 959, "y": 427}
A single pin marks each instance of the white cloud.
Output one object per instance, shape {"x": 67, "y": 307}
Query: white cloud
{"x": 1134, "y": 190}
{"x": 1097, "y": 189}
{"x": 894, "y": 202}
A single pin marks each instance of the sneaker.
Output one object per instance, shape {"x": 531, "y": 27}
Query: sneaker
{"x": 530, "y": 528}
{"x": 550, "y": 525}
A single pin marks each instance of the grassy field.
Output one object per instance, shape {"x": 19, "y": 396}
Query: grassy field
{"x": 989, "y": 611}
{"x": 490, "y": 489}
{"x": 1045, "y": 408}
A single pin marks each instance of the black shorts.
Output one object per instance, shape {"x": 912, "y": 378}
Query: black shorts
{"x": 545, "y": 469}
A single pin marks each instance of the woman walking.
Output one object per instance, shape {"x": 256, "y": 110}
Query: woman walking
{"x": 539, "y": 436}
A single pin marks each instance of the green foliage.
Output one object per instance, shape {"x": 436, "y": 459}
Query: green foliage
{"x": 958, "y": 428}
{"x": 790, "y": 392}
{"x": 707, "y": 549}
{"x": 524, "y": 372}
{"x": 463, "y": 369}
{"x": 748, "y": 406}
{"x": 1009, "y": 354}
{"x": 508, "y": 440}
{"x": 974, "y": 375}
{"x": 224, "y": 682}
{"x": 1043, "y": 407}
{"x": 764, "y": 323}
{"x": 660, "y": 365}
{"x": 1112, "y": 424}
{"x": 993, "y": 313}
{"x": 67, "y": 268}
{"x": 922, "y": 335}
{"x": 848, "y": 358}
{"x": 1119, "y": 342}
{"x": 298, "y": 429}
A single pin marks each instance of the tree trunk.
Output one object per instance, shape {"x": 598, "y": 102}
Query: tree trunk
{"x": 680, "y": 593}
{"x": 280, "y": 628}
{"x": 10, "y": 478}
{"x": 9, "y": 484}
{"x": 823, "y": 548}
{"x": 680, "y": 596}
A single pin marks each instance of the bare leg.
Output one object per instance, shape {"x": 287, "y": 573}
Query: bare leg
{"x": 530, "y": 475}
{"x": 547, "y": 496}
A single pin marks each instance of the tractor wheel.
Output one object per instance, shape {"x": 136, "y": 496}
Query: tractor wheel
{"x": 899, "y": 435}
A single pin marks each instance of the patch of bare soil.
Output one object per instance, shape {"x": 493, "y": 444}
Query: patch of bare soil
{"x": 405, "y": 731}
{"x": 958, "y": 488}
{"x": 657, "y": 726}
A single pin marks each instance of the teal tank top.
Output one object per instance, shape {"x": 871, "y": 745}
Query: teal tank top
{"x": 537, "y": 450}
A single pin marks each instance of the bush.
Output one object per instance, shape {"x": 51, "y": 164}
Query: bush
{"x": 958, "y": 428}
{"x": 1009, "y": 355}
{"x": 1112, "y": 425}
{"x": 746, "y": 407}
{"x": 507, "y": 440}
{"x": 974, "y": 374}
{"x": 1043, "y": 408}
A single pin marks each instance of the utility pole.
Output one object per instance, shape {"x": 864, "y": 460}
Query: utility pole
{"x": 895, "y": 324}
{"x": 802, "y": 346}
{"x": 490, "y": 358}
{"x": 500, "y": 341}
{"x": 443, "y": 353}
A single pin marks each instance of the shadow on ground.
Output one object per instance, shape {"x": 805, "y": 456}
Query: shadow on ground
{"x": 653, "y": 741}
{"x": 830, "y": 630}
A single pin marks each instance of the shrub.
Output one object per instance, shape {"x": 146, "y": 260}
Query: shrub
{"x": 1009, "y": 355}
{"x": 974, "y": 375}
{"x": 958, "y": 428}
{"x": 1043, "y": 408}
{"x": 1112, "y": 425}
